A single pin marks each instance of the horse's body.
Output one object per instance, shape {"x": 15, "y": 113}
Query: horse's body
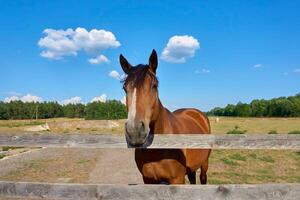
{"x": 168, "y": 165}
{"x": 162, "y": 165}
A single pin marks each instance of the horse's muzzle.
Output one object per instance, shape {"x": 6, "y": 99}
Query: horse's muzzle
{"x": 136, "y": 135}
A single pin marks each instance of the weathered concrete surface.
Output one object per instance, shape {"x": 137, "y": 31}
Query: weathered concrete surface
{"x": 206, "y": 141}
{"x": 134, "y": 192}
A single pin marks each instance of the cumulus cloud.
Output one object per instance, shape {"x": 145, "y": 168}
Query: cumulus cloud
{"x": 26, "y": 98}
{"x": 257, "y": 65}
{"x": 101, "y": 98}
{"x": 95, "y": 40}
{"x": 98, "y": 60}
{"x": 73, "y": 100}
{"x": 12, "y": 98}
{"x": 31, "y": 98}
{"x": 59, "y": 43}
{"x": 114, "y": 74}
{"x": 179, "y": 48}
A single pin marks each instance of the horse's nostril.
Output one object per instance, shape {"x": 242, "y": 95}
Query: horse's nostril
{"x": 142, "y": 126}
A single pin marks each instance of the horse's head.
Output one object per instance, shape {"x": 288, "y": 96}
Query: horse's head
{"x": 140, "y": 86}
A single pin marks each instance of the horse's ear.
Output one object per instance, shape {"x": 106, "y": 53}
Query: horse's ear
{"x": 124, "y": 64}
{"x": 153, "y": 62}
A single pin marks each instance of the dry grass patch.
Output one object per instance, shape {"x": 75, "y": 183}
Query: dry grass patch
{"x": 255, "y": 125}
{"x": 254, "y": 166}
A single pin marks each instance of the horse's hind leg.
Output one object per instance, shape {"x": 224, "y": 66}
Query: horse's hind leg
{"x": 203, "y": 176}
{"x": 192, "y": 177}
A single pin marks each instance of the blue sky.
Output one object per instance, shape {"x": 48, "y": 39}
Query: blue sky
{"x": 211, "y": 52}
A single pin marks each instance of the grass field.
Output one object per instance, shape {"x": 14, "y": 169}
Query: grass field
{"x": 255, "y": 125}
{"x": 254, "y": 166}
{"x": 226, "y": 166}
{"x": 225, "y": 124}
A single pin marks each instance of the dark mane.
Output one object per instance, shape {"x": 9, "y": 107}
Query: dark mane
{"x": 137, "y": 75}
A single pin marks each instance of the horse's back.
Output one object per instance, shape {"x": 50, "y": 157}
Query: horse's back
{"x": 194, "y": 116}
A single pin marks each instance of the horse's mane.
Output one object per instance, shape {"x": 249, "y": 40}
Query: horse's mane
{"x": 137, "y": 75}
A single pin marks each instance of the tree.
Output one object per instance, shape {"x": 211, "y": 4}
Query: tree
{"x": 242, "y": 110}
{"x": 276, "y": 107}
{"x": 111, "y": 109}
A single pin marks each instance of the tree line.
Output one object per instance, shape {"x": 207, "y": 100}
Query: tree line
{"x": 111, "y": 109}
{"x": 276, "y": 107}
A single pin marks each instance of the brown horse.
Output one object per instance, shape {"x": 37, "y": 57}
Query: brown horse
{"x": 147, "y": 116}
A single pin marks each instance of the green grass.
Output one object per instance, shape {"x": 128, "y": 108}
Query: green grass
{"x": 238, "y": 156}
{"x": 216, "y": 181}
{"x": 254, "y": 166}
{"x": 294, "y": 132}
{"x": 229, "y": 162}
{"x": 268, "y": 159}
{"x": 2, "y": 156}
{"x": 6, "y": 148}
{"x": 272, "y": 132}
{"x": 236, "y": 130}
{"x": 253, "y": 155}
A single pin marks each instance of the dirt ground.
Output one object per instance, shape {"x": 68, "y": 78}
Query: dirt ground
{"x": 118, "y": 166}
{"x": 72, "y": 165}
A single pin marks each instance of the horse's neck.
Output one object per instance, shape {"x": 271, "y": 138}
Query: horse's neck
{"x": 162, "y": 123}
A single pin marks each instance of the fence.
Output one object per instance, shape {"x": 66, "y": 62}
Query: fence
{"x": 110, "y": 191}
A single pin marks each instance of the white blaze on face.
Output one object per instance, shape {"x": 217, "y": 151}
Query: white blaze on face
{"x": 132, "y": 108}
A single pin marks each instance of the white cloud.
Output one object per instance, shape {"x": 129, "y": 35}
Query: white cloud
{"x": 12, "y": 98}
{"x": 60, "y": 43}
{"x": 31, "y": 98}
{"x": 203, "y": 71}
{"x": 114, "y": 74}
{"x": 94, "y": 40}
{"x": 101, "y": 98}
{"x": 297, "y": 70}
{"x": 98, "y": 60}
{"x": 179, "y": 48}
{"x": 257, "y": 65}
{"x": 73, "y": 100}
{"x": 26, "y": 98}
